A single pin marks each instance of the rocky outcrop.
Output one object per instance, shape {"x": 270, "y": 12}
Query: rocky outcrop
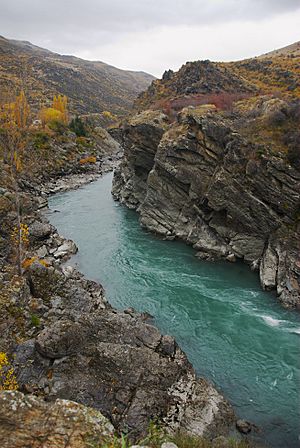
{"x": 226, "y": 197}
{"x": 28, "y": 421}
{"x": 194, "y": 79}
{"x": 141, "y": 136}
{"x": 116, "y": 362}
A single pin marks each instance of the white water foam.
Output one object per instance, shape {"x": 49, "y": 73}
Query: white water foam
{"x": 294, "y": 330}
{"x": 271, "y": 321}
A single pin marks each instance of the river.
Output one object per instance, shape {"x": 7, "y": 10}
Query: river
{"x": 234, "y": 334}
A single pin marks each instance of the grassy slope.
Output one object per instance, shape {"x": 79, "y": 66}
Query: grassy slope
{"x": 90, "y": 86}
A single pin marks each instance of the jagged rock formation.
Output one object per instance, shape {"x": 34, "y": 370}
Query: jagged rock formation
{"x": 91, "y": 86}
{"x": 199, "y": 77}
{"x": 28, "y": 421}
{"x": 274, "y": 72}
{"x": 116, "y": 362}
{"x": 203, "y": 182}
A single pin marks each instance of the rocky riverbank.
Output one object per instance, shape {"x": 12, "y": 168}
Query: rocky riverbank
{"x": 201, "y": 180}
{"x": 66, "y": 342}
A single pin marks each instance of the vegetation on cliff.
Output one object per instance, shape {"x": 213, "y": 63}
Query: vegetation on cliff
{"x": 222, "y": 84}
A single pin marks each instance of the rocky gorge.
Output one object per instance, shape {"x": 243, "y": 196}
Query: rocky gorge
{"x": 66, "y": 342}
{"x": 222, "y": 177}
{"x": 201, "y": 180}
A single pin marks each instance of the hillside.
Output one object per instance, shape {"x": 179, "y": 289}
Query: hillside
{"x": 90, "y": 86}
{"x": 275, "y": 72}
{"x": 195, "y": 82}
{"x": 290, "y": 50}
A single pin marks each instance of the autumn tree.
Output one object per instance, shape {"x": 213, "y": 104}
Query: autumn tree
{"x": 48, "y": 115}
{"x": 14, "y": 120}
{"x": 57, "y": 113}
{"x": 60, "y": 103}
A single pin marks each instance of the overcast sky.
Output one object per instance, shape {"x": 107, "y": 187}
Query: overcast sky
{"x": 153, "y": 35}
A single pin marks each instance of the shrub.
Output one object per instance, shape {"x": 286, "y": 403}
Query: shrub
{"x": 8, "y": 379}
{"x": 83, "y": 141}
{"x": 29, "y": 261}
{"x": 35, "y": 320}
{"x": 41, "y": 140}
{"x": 109, "y": 115}
{"x": 57, "y": 126}
{"x": 89, "y": 159}
{"x": 78, "y": 127}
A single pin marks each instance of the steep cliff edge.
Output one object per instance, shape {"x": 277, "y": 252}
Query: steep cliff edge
{"x": 203, "y": 181}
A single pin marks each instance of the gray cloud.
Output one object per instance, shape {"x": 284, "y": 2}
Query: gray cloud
{"x": 120, "y": 15}
{"x": 79, "y": 26}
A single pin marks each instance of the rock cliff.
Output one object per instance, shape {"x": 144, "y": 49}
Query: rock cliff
{"x": 202, "y": 181}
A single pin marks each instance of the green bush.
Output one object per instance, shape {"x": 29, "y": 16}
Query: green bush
{"x": 57, "y": 126}
{"x": 35, "y": 320}
{"x": 41, "y": 140}
{"x": 78, "y": 127}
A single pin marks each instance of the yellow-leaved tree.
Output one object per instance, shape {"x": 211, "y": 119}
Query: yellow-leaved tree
{"x": 60, "y": 103}
{"x": 57, "y": 113}
{"x": 14, "y": 121}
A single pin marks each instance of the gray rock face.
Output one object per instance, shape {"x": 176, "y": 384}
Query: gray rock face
{"x": 113, "y": 361}
{"x": 140, "y": 139}
{"x": 208, "y": 186}
{"x": 117, "y": 364}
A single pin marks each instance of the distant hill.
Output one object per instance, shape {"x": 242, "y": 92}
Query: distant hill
{"x": 274, "y": 72}
{"x": 289, "y": 50}
{"x": 201, "y": 81}
{"x": 90, "y": 86}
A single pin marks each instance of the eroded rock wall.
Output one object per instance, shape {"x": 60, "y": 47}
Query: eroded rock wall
{"x": 220, "y": 194}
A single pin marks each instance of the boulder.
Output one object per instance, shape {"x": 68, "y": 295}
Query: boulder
{"x": 39, "y": 230}
{"x": 29, "y": 421}
{"x": 67, "y": 249}
{"x": 243, "y": 426}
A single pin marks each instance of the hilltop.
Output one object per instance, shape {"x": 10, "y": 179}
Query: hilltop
{"x": 195, "y": 82}
{"x": 292, "y": 50}
{"x": 91, "y": 86}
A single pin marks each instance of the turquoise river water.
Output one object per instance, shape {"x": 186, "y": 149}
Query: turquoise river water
{"x": 233, "y": 333}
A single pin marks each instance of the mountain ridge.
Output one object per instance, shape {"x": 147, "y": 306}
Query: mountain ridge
{"x": 275, "y": 72}
{"x": 91, "y": 86}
